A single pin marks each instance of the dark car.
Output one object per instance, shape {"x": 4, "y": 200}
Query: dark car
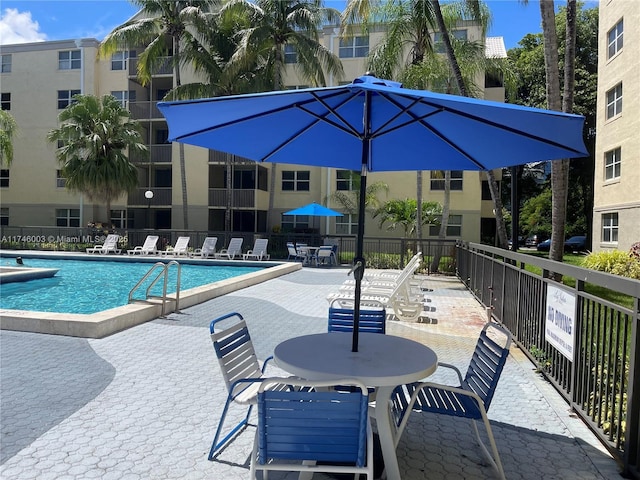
{"x": 576, "y": 244}
{"x": 544, "y": 246}
{"x": 573, "y": 244}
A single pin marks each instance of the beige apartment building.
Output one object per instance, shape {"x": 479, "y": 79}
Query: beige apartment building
{"x": 37, "y": 81}
{"x": 616, "y": 213}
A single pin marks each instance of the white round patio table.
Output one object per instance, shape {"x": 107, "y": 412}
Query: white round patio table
{"x": 382, "y": 361}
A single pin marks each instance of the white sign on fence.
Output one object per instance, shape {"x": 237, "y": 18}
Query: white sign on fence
{"x": 560, "y": 322}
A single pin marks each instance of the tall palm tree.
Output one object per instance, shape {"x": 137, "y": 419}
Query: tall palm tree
{"x": 349, "y": 200}
{"x": 560, "y": 168}
{"x": 275, "y": 25}
{"x": 94, "y": 135}
{"x": 8, "y": 128}
{"x": 161, "y": 28}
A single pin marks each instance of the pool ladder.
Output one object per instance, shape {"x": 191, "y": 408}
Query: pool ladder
{"x": 164, "y": 275}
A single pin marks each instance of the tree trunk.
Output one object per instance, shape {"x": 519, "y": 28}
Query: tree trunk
{"x": 183, "y": 168}
{"x": 227, "y": 213}
{"x": 503, "y": 242}
{"x": 446, "y": 201}
{"x": 419, "y": 211}
{"x": 453, "y": 62}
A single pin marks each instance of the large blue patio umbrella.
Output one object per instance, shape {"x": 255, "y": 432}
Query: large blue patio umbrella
{"x": 374, "y": 125}
{"x": 315, "y": 210}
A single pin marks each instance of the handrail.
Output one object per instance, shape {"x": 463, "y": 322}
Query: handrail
{"x": 164, "y": 274}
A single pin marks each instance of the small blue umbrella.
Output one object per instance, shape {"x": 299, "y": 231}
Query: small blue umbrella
{"x": 315, "y": 210}
{"x": 375, "y": 125}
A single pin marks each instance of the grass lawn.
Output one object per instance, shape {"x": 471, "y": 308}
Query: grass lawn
{"x": 576, "y": 259}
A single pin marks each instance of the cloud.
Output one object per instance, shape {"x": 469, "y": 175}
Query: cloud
{"x": 18, "y": 27}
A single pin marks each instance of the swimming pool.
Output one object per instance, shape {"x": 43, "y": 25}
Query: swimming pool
{"x": 86, "y": 286}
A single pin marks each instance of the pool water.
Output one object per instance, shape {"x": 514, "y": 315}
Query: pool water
{"x": 84, "y": 286}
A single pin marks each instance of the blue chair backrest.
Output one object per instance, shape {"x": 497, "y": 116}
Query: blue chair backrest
{"x": 485, "y": 367}
{"x": 371, "y": 321}
{"x": 309, "y": 424}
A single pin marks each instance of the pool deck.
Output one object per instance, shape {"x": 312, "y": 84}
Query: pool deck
{"x": 144, "y": 403}
{"x": 107, "y": 322}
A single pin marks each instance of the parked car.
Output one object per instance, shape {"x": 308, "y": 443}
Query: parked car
{"x": 531, "y": 241}
{"x": 544, "y": 246}
{"x": 573, "y": 244}
{"x": 576, "y": 244}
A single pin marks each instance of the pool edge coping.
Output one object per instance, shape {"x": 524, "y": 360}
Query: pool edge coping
{"x": 107, "y": 322}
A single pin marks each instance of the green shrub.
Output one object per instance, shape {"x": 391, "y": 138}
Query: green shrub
{"x": 616, "y": 262}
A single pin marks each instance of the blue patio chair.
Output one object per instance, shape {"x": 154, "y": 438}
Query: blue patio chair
{"x": 470, "y": 399}
{"x": 240, "y": 369}
{"x": 312, "y": 428}
{"x": 372, "y": 320}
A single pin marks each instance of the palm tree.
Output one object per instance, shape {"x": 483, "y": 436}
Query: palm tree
{"x": 275, "y": 25}
{"x": 405, "y": 213}
{"x": 161, "y": 28}
{"x": 94, "y": 135}
{"x": 560, "y": 168}
{"x": 8, "y": 128}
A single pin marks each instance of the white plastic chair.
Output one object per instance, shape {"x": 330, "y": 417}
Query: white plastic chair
{"x": 181, "y": 248}
{"x": 259, "y": 250}
{"x": 208, "y": 248}
{"x": 148, "y": 248}
{"x": 232, "y": 251}
{"x": 110, "y": 245}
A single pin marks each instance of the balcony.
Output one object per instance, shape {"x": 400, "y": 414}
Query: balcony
{"x": 223, "y": 158}
{"x": 157, "y": 154}
{"x": 241, "y": 198}
{"x": 161, "y": 197}
{"x": 164, "y": 69}
{"x": 145, "y": 110}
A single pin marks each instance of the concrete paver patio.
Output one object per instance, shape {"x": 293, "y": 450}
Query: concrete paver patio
{"x": 144, "y": 403}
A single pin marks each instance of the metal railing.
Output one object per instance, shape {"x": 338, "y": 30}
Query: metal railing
{"x": 163, "y": 275}
{"x": 600, "y": 381}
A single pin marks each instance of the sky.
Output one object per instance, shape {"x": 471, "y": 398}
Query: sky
{"x": 24, "y": 21}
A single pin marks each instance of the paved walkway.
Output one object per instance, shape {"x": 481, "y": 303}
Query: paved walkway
{"x": 144, "y": 403}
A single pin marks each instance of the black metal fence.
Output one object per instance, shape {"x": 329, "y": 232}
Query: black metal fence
{"x": 378, "y": 252}
{"x": 600, "y": 381}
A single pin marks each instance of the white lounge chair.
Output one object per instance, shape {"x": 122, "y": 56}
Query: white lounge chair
{"x": 232, "y": 251}
{"x": 179, "y": 249}
{"x": 208, "y": 248}
{"x": 148, "y": 248}
{"x": 110, "y": 245}
{"x": 259, "y": 250}
{"x": 294, "y": 253}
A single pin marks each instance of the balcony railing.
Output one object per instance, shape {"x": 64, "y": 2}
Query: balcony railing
{"x": 161, "y": 197}
{"x": 164, "y": 69}
{"x": 157, "y": 154}
{"x": 221, "y": 157}
{"x": 241, "y": 198}
{"x": 145, "y": 110}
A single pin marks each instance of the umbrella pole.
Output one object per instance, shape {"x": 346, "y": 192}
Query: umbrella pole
{"x": 358, "y": 261}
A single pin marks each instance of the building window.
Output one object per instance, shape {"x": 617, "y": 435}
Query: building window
{"x": 486, "y": 191}
{"x": 354, "y": 47}
{"x": 119, "y": 60}
{"x": 296, "y": 87}
{"x": 65, "y": 97}
{"x": 614, "y": 101}
{"x": 119, "y": 218}
{"x": 454, "y": 227}
{"x": 437, "y": 180}
{"x": 294, "y": 222}
{"x": 612, "y": 163}
{"x": 614, "y": 39}
{"x": 610, "y": 227}
{"x": 61, "y": 181}
{"x": 124, "y": 96}
{"x": 345, "y": 180}
{"x": 296, "y": 180}
{"x": 347, "y": 224}
{"x": 5, "y": 63}
{"x": 4, "y": 177}
{"x": 69, "y": 60}
{"x": 438, "y": 43}
{"x": 67, "y": 217}
{"x": 290, "y": 54}
{"x": 4, "y": 217}
{"x": 5, "y": 101}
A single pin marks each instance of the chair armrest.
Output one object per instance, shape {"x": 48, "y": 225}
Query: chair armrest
{"x": 454, "y": 368}
{"x": 264, "y": 364}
